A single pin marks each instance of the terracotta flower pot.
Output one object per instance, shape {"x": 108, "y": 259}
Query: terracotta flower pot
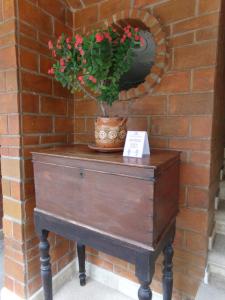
{"x": 110, "y": 132}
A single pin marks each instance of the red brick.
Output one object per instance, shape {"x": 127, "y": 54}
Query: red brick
{"x": 11, "y": 81}
{"x": 188, "y": 284}
{"x": 169, "y": 83}
{"x": 7, "y": 27}
{"x": 2, "y": 81}
{"x": 206, "y": 6}
{"x": 61, "y": 27}
{"x": 194, "y": 175}
{"x": 175, "y": 10}
{"x": 45, "y": 64}
{"x": 86, "y": 108}
{"x": 181, "y": 40}
{"x": 36, "y": 83}
{"x": 170, "y": 126}
{"x": 137, "y": 124}
{"x": 9, "y": 9}
{"x": 79, "y": 124}
{"x": 197, "y": 198}
{"x": 63, "y": 125}
{"x": 197, "y": 23}
{"x": 75, "y": 4}
{"x": 53, "y": 106}
{"x": 191, "y": 104}
{"x": 53, "y": 139}
{"x": 8, "y": 58}
{"x": 140, "y": 3}
{"x": 33, "y": 45}
{"x": 203, "y": 79}
{"x": 148, "y": 105}
{"x": 13, "y": 269}
{"x": 3, "y": 125}
{"x": 201, "y": 126}
{"x": 90, "y": 2}
{"x": 57, "y": 10}
{"x": 90, "y": 13}
{"x": 195, "y": 55}
{"x": 28, "y": 60}
{"x": 158, "y": 142}
{"x": 14, "y": 124}
{"x": 30, "y": 103}
{"x": 28, "y": 30}
{"x": 200, "y": 157}
{"x": 7, "y": 40}
{"x": 187, "y": 220}
{"x": 110, "y": 7}
{"x": 189, "y": 144}
{"x": 196, "y": 242}
{"x": 36, "y": 124}
{"x": 34, "y": 16}
{"x": 9, "y": 103}
{"x": 207, "y": 34}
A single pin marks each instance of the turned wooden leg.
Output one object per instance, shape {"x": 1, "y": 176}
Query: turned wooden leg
{"x": 81, "y": 259}
{"x": 168, "y": 272}
{"x": 46, "y": 273}
{"x": 144, "y": 292}
{"x": 145, "y": 268}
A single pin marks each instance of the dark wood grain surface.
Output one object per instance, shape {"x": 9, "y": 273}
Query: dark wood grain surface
{"x": 128, "y": 199}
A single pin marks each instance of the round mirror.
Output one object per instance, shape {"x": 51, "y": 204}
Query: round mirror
{"x": 144, "y": 59}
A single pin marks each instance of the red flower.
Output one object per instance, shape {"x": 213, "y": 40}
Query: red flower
{"x": 50, "y": 45}
{"x": 62, "y": 69}
{"x": 137, "y": 38}
{"x": 79, "y": 40}
{"x": 51, "y": 71}
{"x": 92, "y": 78}
{"x": 81, "y": 52}
{"x": 129, "y": 34}
{"x": 62, "y": 62}
{"x": 99, "y": 37}
{"x": 69, "y": 46}
{"x": 81, "y": 79}
{"x": 136, "y": 29}
{"x": 142, "y": 41}
{"x": 107, "y": 36}
{"x": 53, "y": 53}
{"x": 68, "y": 40}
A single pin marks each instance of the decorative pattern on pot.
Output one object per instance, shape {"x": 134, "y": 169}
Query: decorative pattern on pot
{"x": 110, "y": 132}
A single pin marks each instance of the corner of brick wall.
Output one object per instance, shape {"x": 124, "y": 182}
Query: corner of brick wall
{"x": 34, "y": 112}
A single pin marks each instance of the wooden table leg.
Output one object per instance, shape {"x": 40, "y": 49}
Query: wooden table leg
{"x": 168, "y": 272}
{"x": 145, "y": 268}
{"x": 81, "y": 259}
{"x": 46, "y": 273}
{"x": 144, "y": 292}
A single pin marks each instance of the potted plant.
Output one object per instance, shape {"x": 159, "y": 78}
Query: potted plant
{"x": 94, "y": 64}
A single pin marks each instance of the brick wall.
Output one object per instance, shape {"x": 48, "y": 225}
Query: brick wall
{"x": 34, "y": 112}
{"x": 178, "y": 115}
{"x": 183, "y": 113}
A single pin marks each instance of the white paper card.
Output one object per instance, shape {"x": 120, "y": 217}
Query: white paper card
{"x": 136, "y": 144}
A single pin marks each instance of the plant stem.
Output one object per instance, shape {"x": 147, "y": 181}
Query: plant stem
{"x": 93, "y": 98}
{"x": 86, "y": 92}
{"x": 103, "y": 109}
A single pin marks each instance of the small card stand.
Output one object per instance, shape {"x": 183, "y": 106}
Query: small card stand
{"x": 137, "y": 144}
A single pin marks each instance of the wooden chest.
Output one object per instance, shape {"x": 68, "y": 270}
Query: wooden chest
{"x": 129, "y": 199}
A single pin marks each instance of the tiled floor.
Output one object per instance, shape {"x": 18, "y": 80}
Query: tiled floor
{"x": 92, "y": 291}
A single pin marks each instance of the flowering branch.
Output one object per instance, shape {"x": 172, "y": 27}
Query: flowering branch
{"x": 97, "y": 61}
